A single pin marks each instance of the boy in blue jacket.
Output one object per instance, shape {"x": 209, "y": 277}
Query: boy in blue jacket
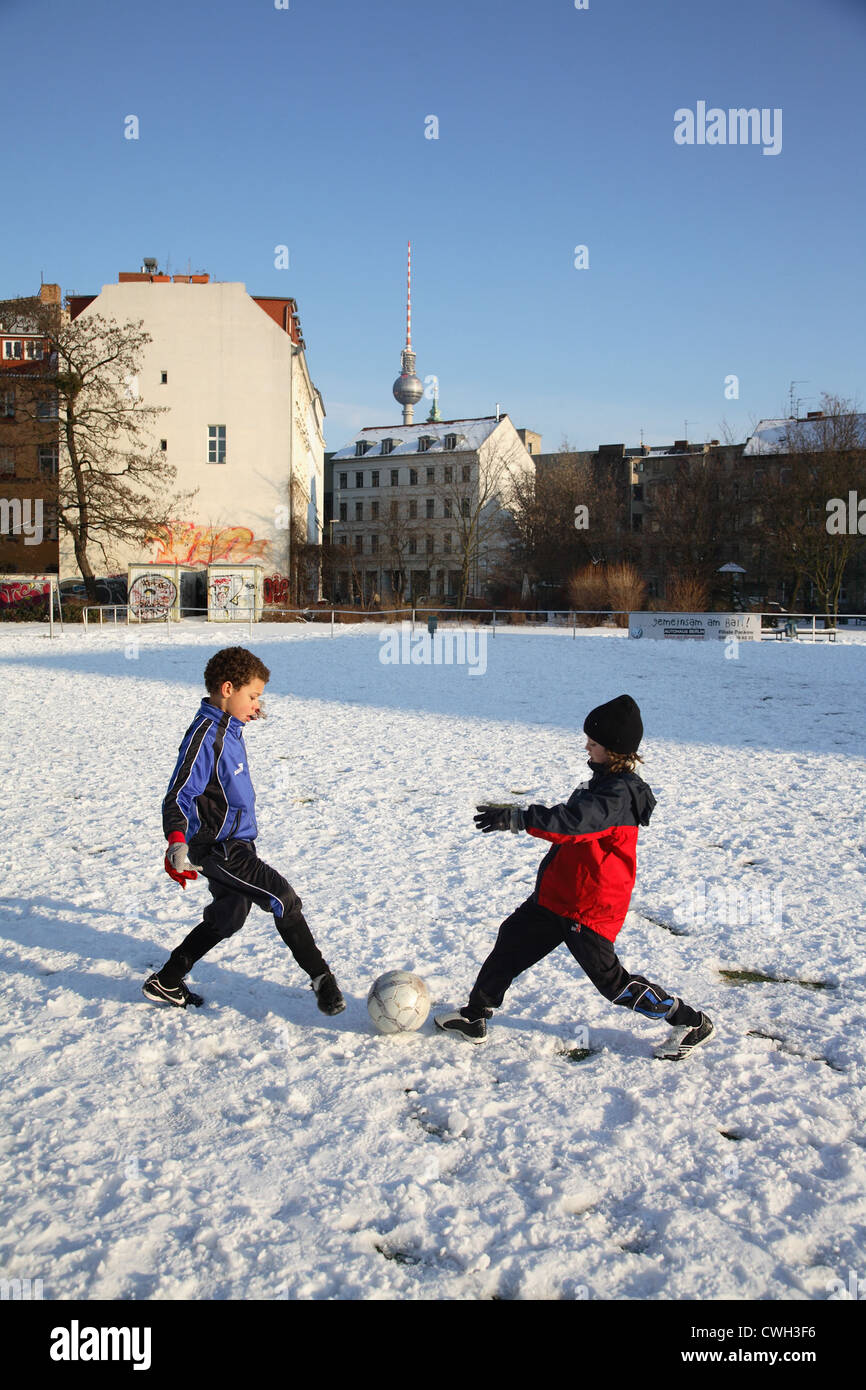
{"x": 209, "y": 820}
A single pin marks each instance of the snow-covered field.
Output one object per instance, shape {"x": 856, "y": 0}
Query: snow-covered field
{"x": 254, "y": 1149}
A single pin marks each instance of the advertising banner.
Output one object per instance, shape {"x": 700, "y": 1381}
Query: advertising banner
{"x": 746, "y": 627}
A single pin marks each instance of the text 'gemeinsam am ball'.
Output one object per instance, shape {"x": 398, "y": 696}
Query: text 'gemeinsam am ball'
{"x": 398, "y": 1002}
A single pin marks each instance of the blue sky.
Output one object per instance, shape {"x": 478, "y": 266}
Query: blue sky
{"x": 305, "y": 127}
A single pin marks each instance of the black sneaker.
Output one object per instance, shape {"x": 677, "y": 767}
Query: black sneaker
{"x": 684, "y": 1038}
{"x": 327, "y": 992}
{"x": 461, "y": 1022}
{"x": 178, "y": 995}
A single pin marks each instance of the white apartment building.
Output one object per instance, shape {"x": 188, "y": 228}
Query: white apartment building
{"x": 413, "y": 502}
{"x": 243, "y": 418}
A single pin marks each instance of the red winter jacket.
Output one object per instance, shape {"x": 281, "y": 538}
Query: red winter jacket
{"x": 589, "y": 872}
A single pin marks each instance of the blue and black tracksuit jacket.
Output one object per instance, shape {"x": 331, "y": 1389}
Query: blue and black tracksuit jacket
{"x": 210, "y": 797}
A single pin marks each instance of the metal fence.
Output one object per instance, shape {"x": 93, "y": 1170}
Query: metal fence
{"x": 806, "y": 626}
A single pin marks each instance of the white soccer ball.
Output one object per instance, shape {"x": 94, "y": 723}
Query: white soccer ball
{"x": 398, "y": 1002}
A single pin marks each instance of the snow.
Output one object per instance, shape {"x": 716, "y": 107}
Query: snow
{"x": 470, "y": 434}
{"x": 255, "y": 1149}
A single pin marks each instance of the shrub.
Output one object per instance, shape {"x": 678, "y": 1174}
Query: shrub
{"x": 588, "y": 589}
{"x": 686, "y": 593}
{"x": 625, "y": 591}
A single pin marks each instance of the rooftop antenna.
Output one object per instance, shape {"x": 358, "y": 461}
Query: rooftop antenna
{"x": 794, "y": 403}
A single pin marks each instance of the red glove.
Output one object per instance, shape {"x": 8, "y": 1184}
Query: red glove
{"x": 175, "y": 859}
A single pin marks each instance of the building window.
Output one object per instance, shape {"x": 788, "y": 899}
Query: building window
{"x": 374, "y": 478}
{"x": 413, "y": 510}
{"x": 344, "y": 511}
{"x": 424, "y": 443}
{"x": 359, "y": 480}
{"x": 413, "y": 476}
{"x": 13, "y": 348}
{"x": 394, "y": 510}
{"x": 447, "y": 508}
{"x": 431, "y": 475}
{"x": 45, "y": 410}
{"x": 413, "y": 546}
{"x": 163, "y": 378}
{"x": 449, "y": 473}
{"x": 464, "y": 506}
{"x": 7, "y": 463}
{"x": 387, "y": 446}
{"x": 341, "y": 540}
{"x": 395, "y": 477}
{"x": 429, "y": 545}
{"x": 359, "y": 511}
{"x": 344, "y": 480}
{"x": 48, "y": 459}
{"x": 163, "y": 444}
{"x": 374, "y": 543}
{"x": 359, "y": 545}
{"x": 50, "y": 533}
{"x": 361, "y": 448}
{"x": 374, "y": 510}
{"x": 33, "y": 350}
{"x": 7, "y": 403}
{"x": 430, "y": 505}
{"x": 466, "y": 473}
{"x": 451, "y": 441}
{"x": 216, "y": 443}
{"x": 446, "y": 543}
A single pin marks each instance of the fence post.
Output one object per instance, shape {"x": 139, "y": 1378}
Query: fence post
{"x": 574, "y": 624}
{"x": 413, "y": 622}
{"x": 51, "y": 608}
{"x": 332, "y": 622}
{"x": 84, "y": 618}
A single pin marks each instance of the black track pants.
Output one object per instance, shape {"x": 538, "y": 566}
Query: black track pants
{"x": 532, "y": 932}
{"x": 237, "y": 878}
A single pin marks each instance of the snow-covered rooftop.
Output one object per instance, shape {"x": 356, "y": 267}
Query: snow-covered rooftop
{"x": 470, "y": 435}
{"x": 769, "y": 435}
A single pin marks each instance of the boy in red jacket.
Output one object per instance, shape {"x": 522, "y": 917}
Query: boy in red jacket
{"x": 583, "y": 888}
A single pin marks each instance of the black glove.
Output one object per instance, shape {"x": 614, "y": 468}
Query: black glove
{"x": 493, "y": 818}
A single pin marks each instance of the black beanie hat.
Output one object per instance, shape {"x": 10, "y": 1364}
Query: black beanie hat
{"x": 617, "y": 725}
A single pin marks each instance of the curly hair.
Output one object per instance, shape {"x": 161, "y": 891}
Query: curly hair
{"x": 233, "y": 664}
{"x": 624, "y": 762}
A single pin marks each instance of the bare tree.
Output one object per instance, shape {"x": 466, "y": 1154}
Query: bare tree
{"x": 825, "y": 459}
{"x": 571, "y": 513}
{"x": 112, "y": 485}
{"x": 479, "y": 499}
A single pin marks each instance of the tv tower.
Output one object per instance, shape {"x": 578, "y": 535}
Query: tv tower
{"x": 408, "y": 389}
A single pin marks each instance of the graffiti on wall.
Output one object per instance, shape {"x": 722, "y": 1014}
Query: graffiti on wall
{"x": 187, "y": 543}
{"x": 276, "y": 587}
{"x": 229, "y": 592}
{"x": 22, "y": 591}
{"x": 152, "y": 595}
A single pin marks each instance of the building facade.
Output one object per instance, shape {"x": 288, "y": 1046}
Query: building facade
{"x": 243, "y": 421}
{"x": 420, "y": 511}
{"x": 28, "y": 441}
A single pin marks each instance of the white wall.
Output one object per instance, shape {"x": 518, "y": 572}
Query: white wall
{"x": 228, "y": 363}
